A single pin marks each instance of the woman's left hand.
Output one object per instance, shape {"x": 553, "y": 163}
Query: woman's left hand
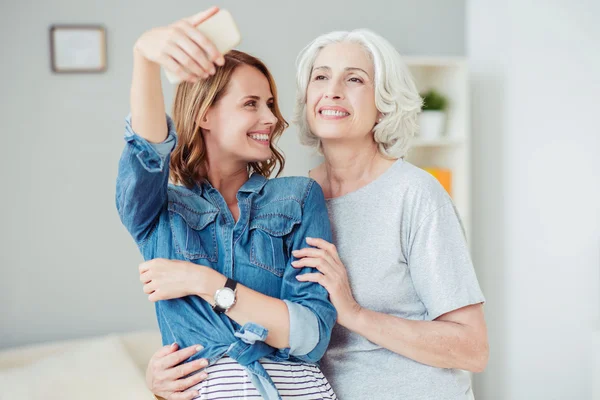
{"x": 165, "y": 279}
{"x": 332, "y": 276}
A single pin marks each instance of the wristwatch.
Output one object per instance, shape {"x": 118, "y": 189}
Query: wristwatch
{"x": 225, "y": 297}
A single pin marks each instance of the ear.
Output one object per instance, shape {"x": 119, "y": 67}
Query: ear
{"x": 204, "y": 122}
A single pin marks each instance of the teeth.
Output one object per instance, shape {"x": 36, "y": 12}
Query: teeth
{"x": 260, "y": 137}
{"x": 334, "y": 113}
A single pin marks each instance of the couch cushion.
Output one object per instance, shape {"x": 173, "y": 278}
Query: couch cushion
{"x": 98, "y": 368}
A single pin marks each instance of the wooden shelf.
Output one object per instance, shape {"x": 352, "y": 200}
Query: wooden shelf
{"x": 450, "y": 77}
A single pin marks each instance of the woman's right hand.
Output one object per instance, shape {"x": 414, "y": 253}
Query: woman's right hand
{"x": 181, "y": 48}
{"x": 166, "y": 377}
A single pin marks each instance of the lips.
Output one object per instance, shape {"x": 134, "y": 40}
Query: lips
{"x": 262, "y": 136}
{"x": 333, "y": 111}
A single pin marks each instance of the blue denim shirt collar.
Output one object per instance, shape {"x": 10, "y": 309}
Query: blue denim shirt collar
{"x": 253, "y": 185}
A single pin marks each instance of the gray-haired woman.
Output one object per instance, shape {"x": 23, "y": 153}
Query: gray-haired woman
{"x": 410, "y": 314}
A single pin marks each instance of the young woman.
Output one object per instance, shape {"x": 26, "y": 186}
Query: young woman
{"x": 218, "y": 239}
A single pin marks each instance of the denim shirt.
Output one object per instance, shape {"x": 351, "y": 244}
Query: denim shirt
{"x": 276, "y": 215}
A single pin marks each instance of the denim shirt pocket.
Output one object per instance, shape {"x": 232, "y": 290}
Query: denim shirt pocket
{"x": 268, "y": 228}
{"x": 193, "y": 227}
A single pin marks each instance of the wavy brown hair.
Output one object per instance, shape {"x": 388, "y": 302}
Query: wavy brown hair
{"x": 192, "y": 101}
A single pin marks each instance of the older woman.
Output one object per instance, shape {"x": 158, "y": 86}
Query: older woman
{"x": 410, "y": 315}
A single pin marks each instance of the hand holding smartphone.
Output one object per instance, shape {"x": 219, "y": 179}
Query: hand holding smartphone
{"x": 221, "y": 30}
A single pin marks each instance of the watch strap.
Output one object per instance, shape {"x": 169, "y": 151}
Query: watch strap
{"x": 230, "y": 284}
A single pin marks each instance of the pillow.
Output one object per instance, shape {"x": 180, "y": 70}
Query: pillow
{"x": 96, "y": 369}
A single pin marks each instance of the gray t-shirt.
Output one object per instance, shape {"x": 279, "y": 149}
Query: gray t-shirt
{"x": 404, "y": 248}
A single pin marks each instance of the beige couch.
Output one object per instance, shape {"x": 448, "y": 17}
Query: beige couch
{"x": 104, "y": 367}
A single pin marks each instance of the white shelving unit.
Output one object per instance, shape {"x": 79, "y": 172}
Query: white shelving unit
{"x": 449, "y": 76}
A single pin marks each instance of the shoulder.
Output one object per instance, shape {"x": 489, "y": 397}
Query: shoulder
{"x": 417, "y": 189}
{"x": 181, "y": 199}
{"x": 293, "y": 187}
{"x": 177, "y": 193}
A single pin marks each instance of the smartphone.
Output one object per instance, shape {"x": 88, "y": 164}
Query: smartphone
{"x": 222, "y": 30}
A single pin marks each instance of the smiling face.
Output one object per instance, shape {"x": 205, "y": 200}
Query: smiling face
{"x": 239, "y": 126}
{"x": 340, "y": 97}
{"x": 229, "y": 121}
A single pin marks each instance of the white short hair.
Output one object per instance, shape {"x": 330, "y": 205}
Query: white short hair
{"x": 396, "y": 96}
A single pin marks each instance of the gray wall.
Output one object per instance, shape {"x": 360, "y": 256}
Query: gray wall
{"x": 68, "y": 267}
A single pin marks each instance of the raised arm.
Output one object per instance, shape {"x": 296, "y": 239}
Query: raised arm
{"x": 150, "y": 135}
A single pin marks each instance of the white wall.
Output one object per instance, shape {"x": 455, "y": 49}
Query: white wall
{"x": 68, "y": 268}
{"x": 535, "y": 69}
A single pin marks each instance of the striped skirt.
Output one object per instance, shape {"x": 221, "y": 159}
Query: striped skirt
{"x": 229, "y": 380}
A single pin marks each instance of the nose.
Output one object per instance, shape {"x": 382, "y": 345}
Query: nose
{"x": 268, "y": 117}
{"x": 334, "y": 90}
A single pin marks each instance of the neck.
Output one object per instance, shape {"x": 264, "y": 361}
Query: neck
{"x": 350, "y": 166}
{"x": 227, "y": 178}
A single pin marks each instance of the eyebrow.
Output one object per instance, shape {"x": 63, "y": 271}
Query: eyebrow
{"x": 257, "y": 98}
{"x": 345, "y": 69}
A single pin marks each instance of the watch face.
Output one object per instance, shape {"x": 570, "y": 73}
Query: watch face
{"x": 225, "y": 298}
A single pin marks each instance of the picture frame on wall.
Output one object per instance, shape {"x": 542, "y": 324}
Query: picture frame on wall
{"x": 78, "y": 48}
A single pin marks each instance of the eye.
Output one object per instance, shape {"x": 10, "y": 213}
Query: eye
{"x": 271, "y": 105}
{"x": 355, "y": 79}
{"x": 251, "y": 103}
{"x": 319, "y": 78}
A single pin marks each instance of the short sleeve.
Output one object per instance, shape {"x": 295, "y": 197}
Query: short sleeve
{"x": 440, "y": 264}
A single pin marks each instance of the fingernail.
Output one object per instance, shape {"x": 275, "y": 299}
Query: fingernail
{"x": 199, "y": 348}
{"x": 294, "y": 263}
{"x": 309, "y": 238}
{"x": 295, "y": 251}
{"x": 204, "y": 375}
{"x": 174, "y": 344}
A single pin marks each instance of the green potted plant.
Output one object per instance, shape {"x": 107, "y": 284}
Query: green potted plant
{"x": 432, "y": 119}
